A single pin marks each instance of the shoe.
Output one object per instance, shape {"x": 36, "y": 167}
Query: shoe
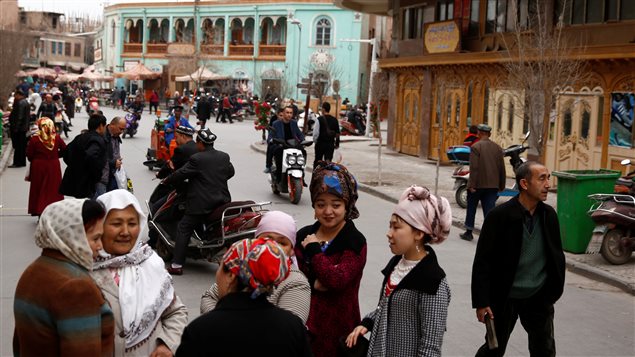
{"x": 466, "y": 236}
{"x": 174, "y": 271}
{"x": 267, "y": 170}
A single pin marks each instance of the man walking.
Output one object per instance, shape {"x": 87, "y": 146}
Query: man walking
{"x": 112, "y": 138}
{"x": 203, "y": 110}
{"x": 226, "y": 108}
{"x": 326, "y": 135}
{"x": 519, "y": 265}
{"x": 18, "y": 127}
{"x": 487, "y": 177}
{"x": 208, "y": 172}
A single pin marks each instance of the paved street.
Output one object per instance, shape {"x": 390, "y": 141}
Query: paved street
{"x": 592, "y": 318}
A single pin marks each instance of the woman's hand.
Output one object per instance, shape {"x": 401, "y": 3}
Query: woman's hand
{"x": 351, "y": 340}
{"x": 311, "y": 238}
{"x": 318, "y": 286}
{"x": 161, "y": 351}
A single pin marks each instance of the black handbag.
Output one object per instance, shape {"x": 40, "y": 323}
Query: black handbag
{"x": 359, "y": 350}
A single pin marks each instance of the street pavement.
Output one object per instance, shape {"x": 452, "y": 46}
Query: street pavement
{"x": 592, "y": 318}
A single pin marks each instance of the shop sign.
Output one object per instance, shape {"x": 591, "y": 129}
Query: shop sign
{"x": 442, "y": 37}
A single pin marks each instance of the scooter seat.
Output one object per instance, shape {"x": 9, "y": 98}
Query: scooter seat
{"x": 217, "y": 214}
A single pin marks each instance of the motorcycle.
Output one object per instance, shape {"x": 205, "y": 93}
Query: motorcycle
{"x": 226, "y": 225}
{"x": 354, "y": 123}
{"x": 614, "y": 232}
{"x": 293, "y": 164}
{"x": 459, "y": 154}
{"x": 132, "y": 123}
{"x": 92, "y": 105}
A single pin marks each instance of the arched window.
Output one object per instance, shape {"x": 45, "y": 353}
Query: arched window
{"x": 323, "y": 32}
{"x": 112, "y": 33}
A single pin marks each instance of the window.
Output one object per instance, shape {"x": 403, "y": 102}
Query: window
{"x": 67, "y": 50}
{"x": 486, "y": 103}
{"x": 78, "y": 49}
{"x": 510, "y": 118}
{"x": 23, "y": 18}
{"x": 504, "y": 15}
{"x": 323, "y": 32}
{"x": 473, "y": 29}
{"x": 112, "y": 33}
{"x": 579, "y": 12}
{"x": 445, "y": 10}
{"x": 53, "y": 47}
{"x": 412, "y": 21}
{"x": 60, "y": 47}
{"x": 621, "y": 128}
{"x": 54, "y": 23}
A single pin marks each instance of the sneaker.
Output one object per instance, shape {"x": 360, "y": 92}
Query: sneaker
{"x": 267, "y": 170}
{"x": 466, "y": 236}
{"x": 174, "y": 271}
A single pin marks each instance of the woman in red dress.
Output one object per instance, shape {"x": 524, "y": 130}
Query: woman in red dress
{"x": 43, "y": 151}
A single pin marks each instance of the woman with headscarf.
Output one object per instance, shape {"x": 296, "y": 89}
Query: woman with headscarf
{"x": 58, "y": 308}
{"x": 149, "y": 317}
{"x": 415, "y": 294}
{"x": 332, "y": 255}
{"x": 44, "y": 151}
{"x": 293, "y": 294}
{"x": 244, "y": 322}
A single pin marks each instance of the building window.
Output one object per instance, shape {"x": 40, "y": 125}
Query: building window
{"x": 505, "y": 15}
{"x": 67, "y": 50}
{"x": 323, "y": 32}
{"x": 78, "y": 50}
{"x": 54, "y": 22}
{"x": 60, "y": 48}
{"x": 112, "y": 33}
{"x": 445, "y": 10}
{"x": 23, "y": 18}
{"x": 53, "y": 47}
{"x": 473, "y": 29}
{"x": 412, "y": 22}
{"x": 579, "y": 12}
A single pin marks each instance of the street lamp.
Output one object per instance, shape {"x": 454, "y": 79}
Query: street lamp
{"x": 297, "y": 22}
{"x": 373, "y": 69}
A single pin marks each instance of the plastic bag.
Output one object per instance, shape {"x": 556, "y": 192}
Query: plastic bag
{"x": 122, "y": 179}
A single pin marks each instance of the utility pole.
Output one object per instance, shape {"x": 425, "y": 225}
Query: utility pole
{"x": 373, "y": 70}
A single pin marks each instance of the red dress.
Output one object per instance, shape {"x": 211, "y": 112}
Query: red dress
{"x": 45, "y": 174}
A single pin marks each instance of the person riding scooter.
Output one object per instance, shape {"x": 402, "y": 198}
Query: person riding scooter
{"x": 174, "y": 123}
{"x": 285, "y": 129}
{"x": 208, "y": 172}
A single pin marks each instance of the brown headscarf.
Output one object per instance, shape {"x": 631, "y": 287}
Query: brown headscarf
{"x": 335, "y": 179}
{"x": 46, "y": 132}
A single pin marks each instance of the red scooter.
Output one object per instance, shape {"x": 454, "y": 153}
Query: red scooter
{"x": 93, "y": 105}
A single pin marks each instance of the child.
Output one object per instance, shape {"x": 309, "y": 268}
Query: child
{"x": 415, "y": 294}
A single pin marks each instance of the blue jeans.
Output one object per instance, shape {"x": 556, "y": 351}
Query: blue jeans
{"x": 487, "y": 196}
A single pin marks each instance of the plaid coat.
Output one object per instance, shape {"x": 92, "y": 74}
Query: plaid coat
{"x": 412, "y": 320}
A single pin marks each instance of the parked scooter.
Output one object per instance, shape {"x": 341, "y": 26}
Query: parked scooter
{"x": 92, "y": 105}
{"x": 459, "y": 154}
{"x": 293, "y": 164}
{"x": 228, "y": 223}
{"x": 132, "y": 123}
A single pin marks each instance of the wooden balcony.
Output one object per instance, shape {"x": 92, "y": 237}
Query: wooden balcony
{"x": 214, "y": 50}
{"x": 241, "y": 50}
{"x": 132, "y": 47}
{"x": 273, "y": 50}
{"x": 157, "y": 48}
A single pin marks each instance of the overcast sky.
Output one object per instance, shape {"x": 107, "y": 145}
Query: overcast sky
{"x": 93, "y": 8}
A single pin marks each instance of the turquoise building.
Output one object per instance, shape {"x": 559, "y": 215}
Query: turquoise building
{"x": 256, "y": 46}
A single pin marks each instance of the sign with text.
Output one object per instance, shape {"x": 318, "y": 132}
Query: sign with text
{"x": 97, "y": 54}
{"x": 442, "y": 37}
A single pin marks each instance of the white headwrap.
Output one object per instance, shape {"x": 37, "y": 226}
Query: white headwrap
{"x": 61, "y": 227}
{"x": 145, "y": 287}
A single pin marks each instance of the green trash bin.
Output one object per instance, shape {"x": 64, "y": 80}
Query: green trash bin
{"x": 576, "y": 227}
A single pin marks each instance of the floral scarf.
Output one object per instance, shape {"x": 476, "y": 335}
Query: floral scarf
{"x": 46, "y": 133}
{"x": 145, "y": 287}
{"x": 335, "y": 179}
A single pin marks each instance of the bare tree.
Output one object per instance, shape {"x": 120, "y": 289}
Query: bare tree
{"x": 13, "y": 44}
{"x": 541, "y": 59}
{"x": 381, "y": 89}
{"x": 323, "y": 77}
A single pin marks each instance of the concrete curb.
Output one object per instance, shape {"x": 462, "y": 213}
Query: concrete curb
{"x": 6, "y": 155}
{"x": 580, "y": 268}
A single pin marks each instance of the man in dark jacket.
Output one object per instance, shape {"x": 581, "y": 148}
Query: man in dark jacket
{"x": 47, "y": 108}
{"x": 18, "y": 127}
{"x": 85, "y": 158}
{"x": 519, "y": 265}
{"x": 285, "y": 129}
{"x": 326, "y": 135}
{"x": 183, "y": 136}
{"x": 112, "y": 139}
{"x": 208, "y": 172}
{"x": 203, "y": 110}
{"x": 487, "y": 177}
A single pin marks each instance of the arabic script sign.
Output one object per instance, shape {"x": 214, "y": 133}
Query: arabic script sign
{"x": 440, "y": 37}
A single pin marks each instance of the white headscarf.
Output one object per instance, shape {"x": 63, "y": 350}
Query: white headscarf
{"x": 145, "y": 287}
{"x": 61, "y": 227}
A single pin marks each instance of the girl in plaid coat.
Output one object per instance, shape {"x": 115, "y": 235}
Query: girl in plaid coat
{"x": 410, "y": 319}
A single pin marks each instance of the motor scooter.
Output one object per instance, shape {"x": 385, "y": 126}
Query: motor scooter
{"x": 292, "y": 173}
{"x": 132, "y": 123}
{"x": 614, "y": 232}
{"x": 93, "y": 105}
{"x": 459, "y": 154}
{"x": 227, "y": 224}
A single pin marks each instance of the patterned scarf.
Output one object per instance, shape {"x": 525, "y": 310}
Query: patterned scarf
{"x": 61, "y": 227}
{"x": 335, "y": 179}
{"x": 145, "y": 287}
{"x": 46, "y": 132}
{"x": 426, "y": 212}
{"x": 259, "y": 263}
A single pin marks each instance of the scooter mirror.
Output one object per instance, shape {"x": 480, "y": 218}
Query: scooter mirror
{"x": 625, "y": 162}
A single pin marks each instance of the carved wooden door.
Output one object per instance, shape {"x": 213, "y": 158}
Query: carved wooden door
{"x": 453, "y": 121}
{"x": 577, "y": 127}
{"x": 410, "y": 119}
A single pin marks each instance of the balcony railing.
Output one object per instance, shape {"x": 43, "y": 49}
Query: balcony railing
{"x": 132, "y": 47}
{"x": 241, "y": 50}
{"x": 273, "y": 50}
{"x": 159, "y": 48}
{"x": 215, "y": 50}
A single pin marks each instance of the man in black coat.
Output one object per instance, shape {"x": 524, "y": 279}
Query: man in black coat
{"x": 18, "y": 127}
{"x": 519, "y": 265}
{"x": 203, "y": 110}
{"x": 85, "y": 158}
{"x": 208, "y": 172}
{"x": 183, "y": 136}
{"x": 326, "y": 135}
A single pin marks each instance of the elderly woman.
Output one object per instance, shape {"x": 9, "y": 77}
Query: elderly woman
{"x": 44, "y": 151}
{"x": 149, "y": 317}
{"x": 293, "y": 293}
{"x": 332, "y": 254}
{"x": 58, "y": 308}
{"x": 244, "y": 323}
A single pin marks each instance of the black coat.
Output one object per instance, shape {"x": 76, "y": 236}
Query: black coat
{"x": 204, "y": 109}
{"x": 242, "y": 326}
{"x": 208, "y": 172}
{"x": 20, "y": 116}
{"x": 85, "y": 158}
{"x": 498, "y": 252}
{"x": 181, "y": 155}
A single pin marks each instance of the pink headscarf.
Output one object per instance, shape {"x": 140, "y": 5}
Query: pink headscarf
{"x": 277, "y": 222}
{"x": 425, "y": 212}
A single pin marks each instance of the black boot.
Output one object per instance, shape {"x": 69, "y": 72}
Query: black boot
{"x": 467, "y": 235}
